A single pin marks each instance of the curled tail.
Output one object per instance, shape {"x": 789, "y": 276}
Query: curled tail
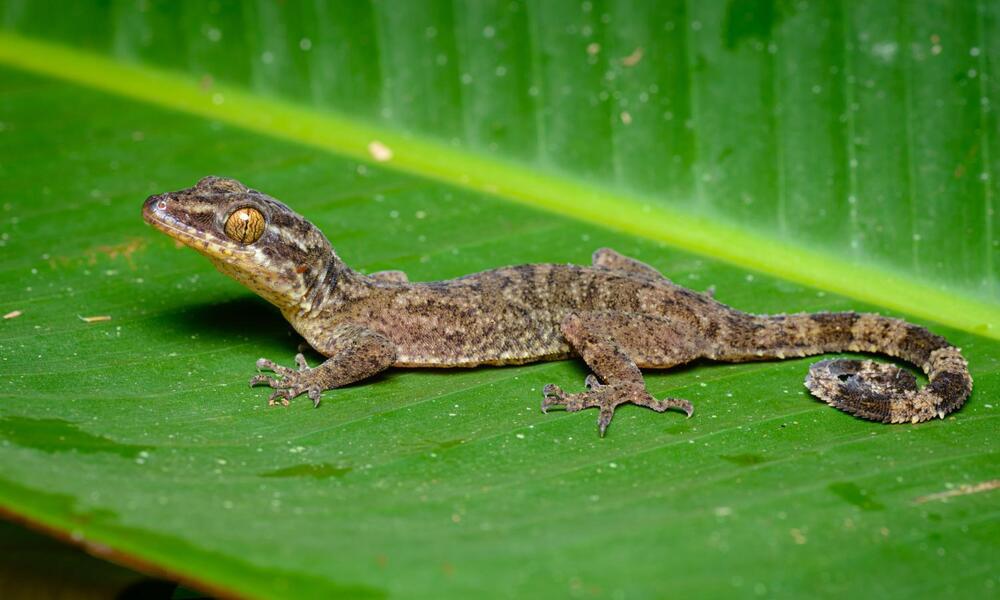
{"x": 884, "y": 392}
{"x": 867, "y": 389}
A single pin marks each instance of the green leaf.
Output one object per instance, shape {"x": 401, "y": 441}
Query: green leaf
{"x": 844, "y": 154}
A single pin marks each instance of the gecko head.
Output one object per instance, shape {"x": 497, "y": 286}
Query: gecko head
{"x": 248, "y": 235}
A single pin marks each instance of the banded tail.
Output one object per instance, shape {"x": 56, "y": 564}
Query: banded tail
{"x": 867, "y": 389}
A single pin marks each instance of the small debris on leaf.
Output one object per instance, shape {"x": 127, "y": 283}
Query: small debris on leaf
{"x": 633, "y": 59}
{"x": 95, "y": 319}
{"x": 379, "y": 151}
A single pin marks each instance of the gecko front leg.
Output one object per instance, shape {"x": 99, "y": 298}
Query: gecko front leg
{"x": 614, "y": 345}
{"x": 355, "y": 353}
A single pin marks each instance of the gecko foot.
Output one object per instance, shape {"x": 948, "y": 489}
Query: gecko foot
{"x": 607, "y": 398}
{"x": 289, "y": 383}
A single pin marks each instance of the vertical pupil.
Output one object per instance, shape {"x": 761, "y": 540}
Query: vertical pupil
{"x": 245, "y": 226}
{"x": 245, "y": 233}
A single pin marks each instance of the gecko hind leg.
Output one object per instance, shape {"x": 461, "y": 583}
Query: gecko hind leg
{"x": 390, "y": 276}
{"x": 606, "y": 258}
{"x": 607, "y": 342}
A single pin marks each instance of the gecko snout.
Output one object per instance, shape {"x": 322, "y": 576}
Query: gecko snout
{"x": 150, "y": 206}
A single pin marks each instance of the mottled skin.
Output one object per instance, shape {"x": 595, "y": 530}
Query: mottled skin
{"x": 618, "y": 315}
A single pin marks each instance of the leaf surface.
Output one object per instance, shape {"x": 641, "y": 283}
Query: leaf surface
{"x": 137, "y": 435}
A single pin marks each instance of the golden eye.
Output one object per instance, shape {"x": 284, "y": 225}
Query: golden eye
{"x": 245, "y": 226}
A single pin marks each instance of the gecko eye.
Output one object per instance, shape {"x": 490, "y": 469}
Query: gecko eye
{"x": 245, "y": 225}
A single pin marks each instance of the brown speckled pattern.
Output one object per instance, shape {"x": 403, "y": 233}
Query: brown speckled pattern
{"x": 618, "y": 315}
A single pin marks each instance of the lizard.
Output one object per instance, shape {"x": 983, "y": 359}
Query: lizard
{"x": 619, "y": 315}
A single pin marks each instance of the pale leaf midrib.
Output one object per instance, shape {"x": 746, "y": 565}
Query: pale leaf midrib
{"x": 620, "y": 210}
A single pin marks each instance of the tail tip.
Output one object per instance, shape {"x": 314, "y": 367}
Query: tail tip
{"x": 864, "y": 388}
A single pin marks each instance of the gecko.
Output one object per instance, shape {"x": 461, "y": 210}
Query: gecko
{"x": 618, "y": 315}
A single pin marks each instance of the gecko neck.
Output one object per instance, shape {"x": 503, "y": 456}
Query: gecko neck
{"x": 338, "y": 297}
{"x": 330, "y": 291}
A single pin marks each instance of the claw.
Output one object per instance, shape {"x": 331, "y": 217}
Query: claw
{"x": 604, "y": 419}
{"x": 687, "y": 407}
